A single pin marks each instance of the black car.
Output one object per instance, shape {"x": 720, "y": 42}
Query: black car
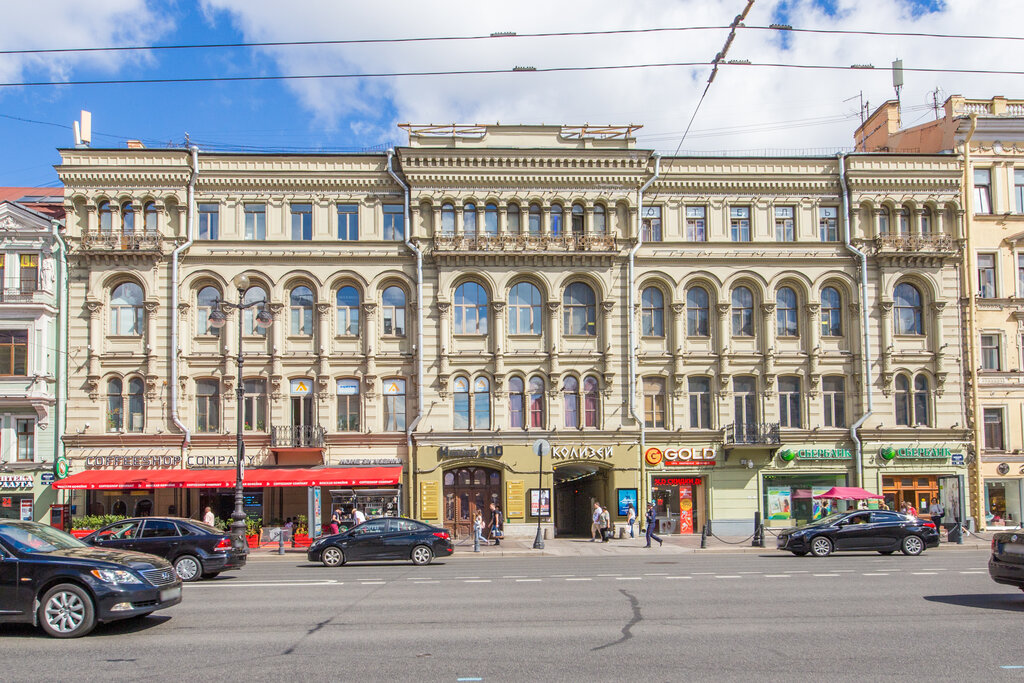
{"x": 53, "y": 580}
{"x": 386, "y": 538}
{"x": 880, "y": 530}
{"x": 195, "y": 549}
{"x": 1006, "y": 565}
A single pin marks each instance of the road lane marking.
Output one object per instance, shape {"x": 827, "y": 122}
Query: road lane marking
{"x": 703, "y": 573}
{"x": 777, "y": 576}
{"x": 628, "y": 578}
{"x": 609, "y": 574}
{"x": 657, "y": 574}
{"x": 561, "y": 576}
{"x": 372, "y": 583}
{"x": 578, "y": 579}
{"x": 227, "y": 584}
{"x": 799, "y": 571}
{"x": 678, "y": 577}
{"x": 924, "y": 573}
{"x": 972, "y": 572}
{"x": 527, "y": 580}
{"x": 839, "y": 571}
{"x": 477, "y": 581}
{"x": 514, "y": 576}
{"x": 728, "y": 576}
{"x": 826, "y": 574}
{"x": 419, "y": 582}
{"x": 751, "y": 572}
{"x": 467, "y": 577}
{"x": 874, "y": 574}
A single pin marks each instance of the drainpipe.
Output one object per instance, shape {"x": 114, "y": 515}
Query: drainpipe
{"x": 865, "y": 319}
{"x": 632, "y": 323}
{"x": 972, "y": 352}
{"x": 189, "y": 227}
{"x": 418, "y": 349}
{"x": 60, "y": 365}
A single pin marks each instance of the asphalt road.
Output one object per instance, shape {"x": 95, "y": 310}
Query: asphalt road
{"x": 647, "y": 618}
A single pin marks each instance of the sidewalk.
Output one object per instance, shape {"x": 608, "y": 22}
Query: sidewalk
{"x": 582, "y": 547}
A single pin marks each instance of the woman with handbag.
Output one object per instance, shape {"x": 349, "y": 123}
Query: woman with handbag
{"x": 497, "y": 524}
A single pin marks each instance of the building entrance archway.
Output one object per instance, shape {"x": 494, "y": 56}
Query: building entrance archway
{"x": 468, "y": 490}
{"x": 578, "y": 486}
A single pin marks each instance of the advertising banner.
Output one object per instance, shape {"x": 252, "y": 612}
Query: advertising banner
{"x": 540, "y": 502}
{"x": 686, "y": 509}
{"x": 627, "y": 497}
{"x": 822, "y": 507}
{"x": 779, "y": 502}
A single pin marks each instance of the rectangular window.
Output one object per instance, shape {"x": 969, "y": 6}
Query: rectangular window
{"x": 255, "y": 222}
{"x": 348, "y": 405}
{"x": 696, "y": 224}
{"x": 983, "y": 190}
{"x": 1018, "y": 189}
{"x": 207, "y": 406}
{"x": 515, "y": 408}
{"x": 28, "y": 277}
{"x": 883, "y": 221}
{"x": 987, "y": 276}
{"x": 14, "y": 353}
{"x": 254, "y": 405}
{"x": 209, "y": 221}
{"x": 834, "y": 394}
{"x": 828, "y": 223}
{"x": 394, "y": 405}
{"x": 302, "y": 222}
{"x": 654, "y": 403}
{"x": 394, "y": 222}
{"x": 785, "y": 224}
{"x": 651, "y": 226}
{"x": 903, "y": 219}
{"x": 990, "y": 352}
{"x": 789, "y": 402}
{"x": 1020, "y": 275}
{"x": 26, "y": 440}
{"x": 739, "y": 223}
{"x": 700, "y": 402}
{"x": 994, "y": 429}
{"x": 348, "y": 222}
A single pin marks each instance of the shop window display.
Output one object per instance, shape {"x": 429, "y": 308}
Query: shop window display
{"x": 1003, "y": 503}
{"x": 789, "y": 500}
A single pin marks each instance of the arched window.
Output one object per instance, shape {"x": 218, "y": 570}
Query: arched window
{"x": 136, "y": 405}
{"x": 149, "y": 213}
{"x": 903, "y": 217}
{"x": 207, "y": 302}
{"x": 579, "y": 315}
{"x": 556, "y": 220}
{"x": 249, "y": 326}
{"x": 742, "y": 312}
{"x": 535, "y": 216}
{"x": 926, "y": 221}
{"x": 348, "y": 311}
{"x": 126, "y": 313}
{"x": 908, "y": 315}
{"x": 472, "y": 409}
{"x": 921, "y": 393}
{"x": 571, "y": 402}
{"x": 447, "y": 219}
{"x": 785, "y": 313}
{"x": 469, "y": 219}
{"x": 516, "y": 407}
{"x": 884, "y": 220}
{"x": 903, "y": 402}
{"x": 115, "y": 406}
{"x": 106, "y": 222}
{"x": 831, "y": 313}
{"x": 470, "y": 309}
{"x": 301, "y": 303}
{"x": 513, "y": 217}
{"x": 591, "y": 402}
{"x": 578, "y": 220}
{"x": 394, "y": 405}
{"x": 349, "y": 404}
{"x": 481, "y": 403}
{"x": 491, "y": 220}
{"x": 393, "y": 311}
{"x": 460, "y": 413}
{"x": 127, "y": 218}
{"x": 654, "y": 402}
{"x": 698, "y": 312}
{"x": 537, "y": 402}
{"x": 652, "y": 313}
{"x": 524, "y": 313}
{"x": 600, "y": 220}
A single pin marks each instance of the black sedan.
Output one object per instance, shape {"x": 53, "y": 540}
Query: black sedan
{"x": 195, "y": 549}
{"x": 880, "y": 530}
{"x": 386, "y": 538}
{"x": 52, "y": 579}
{"x": 1006, "y": 565}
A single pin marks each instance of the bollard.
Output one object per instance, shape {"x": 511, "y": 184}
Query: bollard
{"x": 758, "y": 539}
{"x": 280, "y": 542}
{"x": 476, "y": 541}
{"x": 704, "y": 536}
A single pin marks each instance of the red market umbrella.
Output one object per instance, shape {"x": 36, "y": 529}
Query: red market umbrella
{"x": 848, "y": 493}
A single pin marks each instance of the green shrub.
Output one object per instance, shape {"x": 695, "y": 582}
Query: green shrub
{"x": 301, "y": 525}
{"x": 94, "y": 521}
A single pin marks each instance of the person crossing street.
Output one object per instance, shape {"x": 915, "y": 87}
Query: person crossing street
{"x": 652, "y": 519}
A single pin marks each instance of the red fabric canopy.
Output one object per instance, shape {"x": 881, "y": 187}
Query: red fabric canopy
{"x": 849, "y": 493}
{"x": 222, "y": 478}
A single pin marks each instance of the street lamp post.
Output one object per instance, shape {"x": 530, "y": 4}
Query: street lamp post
{"x": 541, "y": 447}
{"x": 218, "y": 320}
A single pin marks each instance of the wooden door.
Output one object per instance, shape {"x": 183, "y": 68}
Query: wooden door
{"x": 468, "y": 490}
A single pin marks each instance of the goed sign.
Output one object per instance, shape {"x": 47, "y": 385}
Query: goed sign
{"x": 673, "y": 457}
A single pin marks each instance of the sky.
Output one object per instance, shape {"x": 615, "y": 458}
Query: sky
{"x": 748, "y": 109}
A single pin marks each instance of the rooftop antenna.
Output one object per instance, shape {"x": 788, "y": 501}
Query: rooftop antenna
{"x": 935, "y": 101}
{"x": 897, "y": 83}
{"x": 83, "y": 130}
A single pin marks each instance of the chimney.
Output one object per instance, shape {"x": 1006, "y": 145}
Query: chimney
{"x": 135, "y": 144}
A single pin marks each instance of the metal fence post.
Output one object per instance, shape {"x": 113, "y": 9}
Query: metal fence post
{"x": 704, "y": 535}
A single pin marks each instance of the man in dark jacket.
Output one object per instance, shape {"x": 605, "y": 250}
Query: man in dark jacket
{"x": 497, "y": 524}
{"x": 652, "y": 519}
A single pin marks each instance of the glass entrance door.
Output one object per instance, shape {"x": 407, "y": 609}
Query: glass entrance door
{"x": 469, "y": 490}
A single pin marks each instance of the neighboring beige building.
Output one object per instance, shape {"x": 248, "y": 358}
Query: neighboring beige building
{"x": 744, "y": 306}
{"x": 987, "y": 136}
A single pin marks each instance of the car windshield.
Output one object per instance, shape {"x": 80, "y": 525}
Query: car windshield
{"x": 38, "y": 538}
{"x": 826, "y": 521}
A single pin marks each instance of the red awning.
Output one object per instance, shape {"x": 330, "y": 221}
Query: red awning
{"x": 222, "y": 479}
{"x": 848, "y": 493}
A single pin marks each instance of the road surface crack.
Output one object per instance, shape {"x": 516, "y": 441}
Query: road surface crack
{"x": 627, "y": 630}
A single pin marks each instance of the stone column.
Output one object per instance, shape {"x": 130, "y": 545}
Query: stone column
{"x": 887, "y": 347}
{"x": 938, "y": 307}
{"x": 554, "y": 332}
{"x": 498, "y": 338}
{"x": 94, "y": 347}
{"x": 444, "y": 312}
{"x": 768, "y": 324}
{"x": 724, "y": 370}
{"x": 813, "y": 309}
{"x": 149, "y": 343}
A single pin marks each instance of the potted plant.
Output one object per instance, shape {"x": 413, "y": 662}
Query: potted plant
{"x": 86, "y": 524}
{"x": 300, "y": 535}
{"x": 253, "y": 528}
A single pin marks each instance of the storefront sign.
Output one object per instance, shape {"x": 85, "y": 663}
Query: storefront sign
{"x": 62, "y": 467}
{"x": 429, "y": 500}
{"x": 15, "y": 481}
{"x": 676, "y": 481}
{"x": 348, "y": 387}
{"x": 888, "y": 453}
{"x": 686, "y": 509}
{"x": 672, "y": 457}
{"x": 515, "y": 506}
{"x": 957, "y": 459}
{"x": 165, "y": 462}
{"x": 26, "y": 509}
{"x": 301, "y": 387}
{"x": 470, "y": 452}
{"x": 581, "y": 453}
{"x": 46, "y": 478}
{"x": 789, "y": 454}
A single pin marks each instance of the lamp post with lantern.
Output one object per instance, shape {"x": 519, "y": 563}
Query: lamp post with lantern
{"x": 217, "y": 320}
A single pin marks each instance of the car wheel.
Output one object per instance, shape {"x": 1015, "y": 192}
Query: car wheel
{"x": 821, "y": 547}
{"x": 912, "y": 545}
{"x": 799, "y": 553}
{"x": 66, "y": 611}
{"x": 332, "y": 556}
{"x": 211, "y": 575}
{"x": 421, "y": 555}
{"x": 886, "y": 552}
{"x": 188, "y": 568}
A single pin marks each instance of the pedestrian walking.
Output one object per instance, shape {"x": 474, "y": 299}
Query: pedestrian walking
{"x": 208, "y": 518}
{"x": 478, "y": 528}
{"x": 338, "y": 517}
{"x": 357, "y": 516}
{"x": 606, "y": 525}
{"x": 652, "y": 519}
{"x": 937, "y": 511}
{"x": 595, "y": 525}
{"x": 497, "y": 524}
{"x": 333, "y": 527}
{"x": 631, "y": 519}
{"x": 911, "y": 510}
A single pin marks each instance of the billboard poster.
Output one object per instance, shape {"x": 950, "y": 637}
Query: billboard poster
{"x": 686, "y": 509}
{"x": 26, "y": 509}
{"x": 779, "y": 502}
{"x": 627, "y": 497}
{"x": 540, "y": 502}
{"x": 822, "y": 507}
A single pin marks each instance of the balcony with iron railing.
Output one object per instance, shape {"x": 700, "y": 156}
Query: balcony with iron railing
{"x": 753, "y": 434}
{"x": 26, "y": 293}
{"x": 568, "y": 242}
{"x": 297, "y": 436}
{"x": 116, "y": 240}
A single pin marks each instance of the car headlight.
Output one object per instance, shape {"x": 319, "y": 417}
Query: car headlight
{"x": 115, "y": 576}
